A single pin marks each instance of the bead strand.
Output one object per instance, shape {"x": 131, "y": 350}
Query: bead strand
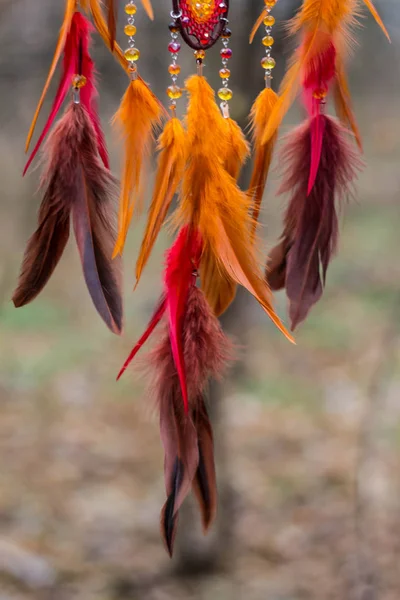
{"x": 132, "y": 54}
{"x": 268, "y": 62}
{"x": 174, "y": 92}
{"x": 225, "y": 93}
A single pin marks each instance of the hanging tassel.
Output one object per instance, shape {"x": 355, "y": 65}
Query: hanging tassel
{"x": 76, "y": 60}
{"x": 300, "y": 262}
{"x": 260, "y": 114}
{"x": 137, "y": 116}
{"x": 172, "y": 145}
{"x": 185, "y": 428}
{"x": 76, "y": 183}
{"x": 323, "y": 23}
{"x": 212, "y": 202}
{"x": 65, "y": 28}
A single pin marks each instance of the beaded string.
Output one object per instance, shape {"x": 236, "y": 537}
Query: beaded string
{"x": 132, "y": 54}
{"x": 174, "y": 91}
{"x": 268, "y": 62}
{"x": 225, "y": 93}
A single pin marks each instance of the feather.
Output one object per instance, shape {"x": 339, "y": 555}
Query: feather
{"x": 213, "y": 203}
{"x": 173, "y": 153}
{"x": 375, "y": 14}
{"x": 155, "y": 319}
{"x": 112, "y": 16}
{"x": 76, "y": 60}
{"x": 219, "y": 289}
{"x": 204, "y": 484}
{"x": 137, "y": 116}
{"x": 257, "y": 24}
{"x": 311, "y": 223}
{"x": 182, "y": 259}
{"x": 75, "y": 181}
{"x": 148, "y": 8}
{"x": 343, "y": 103}
{"x": 260, "y": 113}
{"x": 237, "y": 148}
{"x": 68, "y": 16}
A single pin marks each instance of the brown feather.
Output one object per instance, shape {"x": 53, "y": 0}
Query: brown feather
{"x": 204, "y": 484}
{"x": 75, "y": 180}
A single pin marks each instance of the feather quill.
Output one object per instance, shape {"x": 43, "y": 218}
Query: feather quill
{"x": 112, "y": 16}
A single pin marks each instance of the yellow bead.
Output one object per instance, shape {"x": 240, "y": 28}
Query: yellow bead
{"x": 269, "y": 3}
{"x": 174, "y": 69}
{"x": 132, "y": 54}
{"x": 269, "y": 21}
{"x": 174, "y": 92}
{"x": 224, "y": 73}
{"x": 320, "y": 93}
{"x": 130, "y": 30}
{"x": 79, "y": 81}
{"x": 199, "y": 54}
{"x": 130, "y": 9}
{"x": 268, "y": 62}
{"x": 225, "y": 94}
{"x": 268, "y": 40}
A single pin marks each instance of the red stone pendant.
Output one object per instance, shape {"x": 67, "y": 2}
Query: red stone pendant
{"x": 201, "y": 22}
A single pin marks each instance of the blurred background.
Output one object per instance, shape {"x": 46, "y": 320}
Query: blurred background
{"x": 308, "y": 437}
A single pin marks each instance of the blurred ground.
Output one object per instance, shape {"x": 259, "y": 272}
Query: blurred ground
{"x": 312, "y": 433}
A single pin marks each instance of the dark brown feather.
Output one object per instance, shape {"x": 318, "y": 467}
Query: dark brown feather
{"x": 204, "y": 484}
{"x": 310, "y": 234}
{"x": 75, "y": 180}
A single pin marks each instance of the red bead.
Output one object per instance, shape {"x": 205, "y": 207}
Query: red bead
{"x": 205, "y": 39}
{"x": 226, "y": 53}
{"x": 222, "y": 8}
{"x": 174, "y": 47}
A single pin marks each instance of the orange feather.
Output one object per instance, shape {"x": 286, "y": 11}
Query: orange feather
{"x": 69, "y": 13}
{"x": 260, "y": 114}
{"x": 237, "y": 148}
{"x": 213, "y": 203}
{"x": 343, "y": 103}
{"x": 171, "y": 163}
{"x": 257, "y": 25}
{"x": 136, "y": 118}
{"x": 148, "y": 8}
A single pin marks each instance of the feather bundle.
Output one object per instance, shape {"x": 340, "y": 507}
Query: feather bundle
{"x": 186, "y": 434}
{"x": 300, "y": 261}
{"x": 76, "y": 184}
{"x": 137, "y": 116}
{"x": 215, "y": 206}
{"x": 325, "y": 27}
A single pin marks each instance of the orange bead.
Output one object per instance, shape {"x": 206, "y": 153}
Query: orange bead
{"x": 79, "y": 81}
{"x": 174, "y": 92}
{"x": 174, "y": 69}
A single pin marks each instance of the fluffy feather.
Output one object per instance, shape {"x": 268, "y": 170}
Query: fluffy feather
{"x": 260, "y": 114}
{"x": 137, "y": 116}
{"x": 219, "y": 289}
{"x": 75, "y": 181}
{"x": 68, "y": 16}
{"x": 237, "y": 148}
{"x": 212, "y": 202}
{"x": 310, "y": 234}
{"x": 172, "y": 145}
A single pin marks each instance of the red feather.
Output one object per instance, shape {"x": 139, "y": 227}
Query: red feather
{"x": 76, "y": 61}
{"x": 310, "y": 235}
{"x": 182, "y": 260}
